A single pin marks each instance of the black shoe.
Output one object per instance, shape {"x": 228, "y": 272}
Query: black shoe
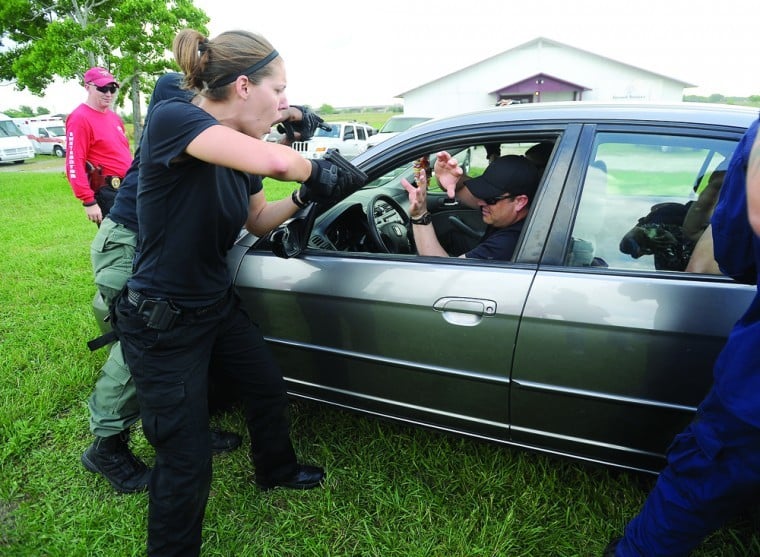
{"x": 111, "y": 458}
{"x": 305, "y": 477}
{"x": 609, "y": 551}
{"x": 224, "y": 441}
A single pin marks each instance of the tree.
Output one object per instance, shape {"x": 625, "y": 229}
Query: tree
{"x": 131, "y": 38}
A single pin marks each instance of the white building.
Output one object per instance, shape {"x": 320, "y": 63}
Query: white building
{"x": 541, "y": 70}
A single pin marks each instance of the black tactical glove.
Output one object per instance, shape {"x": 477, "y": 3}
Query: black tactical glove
{"x": 305, "y": 127}
{"x": 320, "y": 186}
{"x": 332, "y": 179}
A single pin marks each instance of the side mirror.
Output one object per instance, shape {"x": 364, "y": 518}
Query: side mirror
{"x": 290, "y": 238}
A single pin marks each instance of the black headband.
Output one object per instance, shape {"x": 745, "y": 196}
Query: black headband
{"x": 249, "y": 70}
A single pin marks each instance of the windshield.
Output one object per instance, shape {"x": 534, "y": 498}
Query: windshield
{"x": 396, "y": 125}
{"x": 9, "y": 129}
{"x": 56, "y": 131}
{"x": 334, "y": 132}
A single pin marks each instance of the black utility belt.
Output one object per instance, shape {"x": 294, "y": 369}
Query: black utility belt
{"x": 161, "y": 314}
{"x": 113, "y": 181}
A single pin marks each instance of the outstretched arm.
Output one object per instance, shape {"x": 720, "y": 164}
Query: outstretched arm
{"x": 264, "y": 216}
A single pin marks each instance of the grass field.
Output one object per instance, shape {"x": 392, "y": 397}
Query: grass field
{"x": 392, "y": 490}
{"x": 374, "y": 119}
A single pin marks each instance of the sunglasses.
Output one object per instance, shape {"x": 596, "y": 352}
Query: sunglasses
{"x": 106, "y": 88}
{"x": 495, "y": 200}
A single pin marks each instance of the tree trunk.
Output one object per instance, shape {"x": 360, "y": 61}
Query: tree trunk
{"x": 136, "y": 112}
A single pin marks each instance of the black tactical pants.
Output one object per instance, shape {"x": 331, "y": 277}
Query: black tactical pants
{"x": 170, "y": 369}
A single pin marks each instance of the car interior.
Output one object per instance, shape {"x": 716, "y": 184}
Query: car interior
{"x": 646, "y": 201}
{"x": 375, "y": 219}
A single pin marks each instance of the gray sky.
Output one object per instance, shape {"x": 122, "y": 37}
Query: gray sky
{"x": 344, "y": 52}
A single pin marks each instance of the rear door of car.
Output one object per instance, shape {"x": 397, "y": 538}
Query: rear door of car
{"x": 614, "y": 353}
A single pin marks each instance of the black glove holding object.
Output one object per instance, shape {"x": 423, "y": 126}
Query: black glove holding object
{"x": 329, "y": 182}
{"x": 305, "y": 127}
{"x": 320, "y": 185}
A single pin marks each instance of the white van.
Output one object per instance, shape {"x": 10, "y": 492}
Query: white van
{"x": 14, "y": 145}
{"x": 47, "y": 134}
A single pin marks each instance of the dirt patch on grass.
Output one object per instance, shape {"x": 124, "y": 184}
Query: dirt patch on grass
{"x": 7, "y": 522}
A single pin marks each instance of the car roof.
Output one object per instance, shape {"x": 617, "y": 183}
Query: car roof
{"x": 589, "y": 111}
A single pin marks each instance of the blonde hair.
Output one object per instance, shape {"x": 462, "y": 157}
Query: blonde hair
{"x": 210, "y": 65}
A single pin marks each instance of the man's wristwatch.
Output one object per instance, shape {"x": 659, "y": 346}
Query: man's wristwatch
{"x": 427, "y": 218}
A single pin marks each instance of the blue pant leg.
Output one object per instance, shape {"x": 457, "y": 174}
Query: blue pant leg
{"x": 713, "y": 471}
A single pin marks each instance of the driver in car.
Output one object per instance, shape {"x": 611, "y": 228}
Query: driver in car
{"x": 503, "y": 194}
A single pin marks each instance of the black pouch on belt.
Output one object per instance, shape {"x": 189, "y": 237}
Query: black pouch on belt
{"x": 159, "y": 314}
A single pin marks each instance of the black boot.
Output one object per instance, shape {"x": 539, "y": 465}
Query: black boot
{"x": 111, "y": 458}
{"x": 224, "y": 441}
{"x": 305, "y": 477}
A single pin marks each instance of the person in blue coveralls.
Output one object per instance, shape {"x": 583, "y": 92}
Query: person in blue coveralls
{"x": 713, "y": 468}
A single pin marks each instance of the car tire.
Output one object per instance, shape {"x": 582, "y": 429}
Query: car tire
{"x": 58, "y": 151}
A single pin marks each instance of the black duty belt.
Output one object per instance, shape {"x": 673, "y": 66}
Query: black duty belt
{"x": 161, "y": 314}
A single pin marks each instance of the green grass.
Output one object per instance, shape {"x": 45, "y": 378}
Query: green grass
{"x": 374, "y": 119}
{"x": 392, "y": 490}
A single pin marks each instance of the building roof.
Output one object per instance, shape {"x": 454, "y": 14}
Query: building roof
{"x": 540, "y": 81}
{"x": 543, "y": 40}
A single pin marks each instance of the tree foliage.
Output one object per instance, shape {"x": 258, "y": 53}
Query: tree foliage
{"x": 42, "y": 39}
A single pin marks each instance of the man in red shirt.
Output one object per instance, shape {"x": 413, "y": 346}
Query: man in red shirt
{"x": 97, "y": 148}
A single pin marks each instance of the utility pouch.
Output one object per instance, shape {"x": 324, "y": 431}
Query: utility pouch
{"x": 159, "y": 314}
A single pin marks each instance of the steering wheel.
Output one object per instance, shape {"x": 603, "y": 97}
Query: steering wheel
{"x": 391, "y": 234}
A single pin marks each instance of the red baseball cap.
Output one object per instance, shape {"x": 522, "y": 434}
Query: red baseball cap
{"x": 99, "y": 77}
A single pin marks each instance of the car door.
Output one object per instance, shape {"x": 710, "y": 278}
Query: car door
{"x": 350, "y": 144}
{"x": 617, "y": 341}
{"x": 428, "y": 340}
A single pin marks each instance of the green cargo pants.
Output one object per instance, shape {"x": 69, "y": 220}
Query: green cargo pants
{"x": 113, "y": 403}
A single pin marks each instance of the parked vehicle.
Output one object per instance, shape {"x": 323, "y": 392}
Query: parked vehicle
{"x": 394, "y": 126}
{"x": 14, "y": 145}
{"x": 47, "y": 134}
{"x": 349, "y": 138}
{"x": 578, "y": 346}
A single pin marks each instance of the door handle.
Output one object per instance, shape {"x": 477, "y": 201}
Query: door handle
{"x": 464, "y": 311}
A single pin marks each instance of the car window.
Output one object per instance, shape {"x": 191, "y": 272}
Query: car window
{"x": 459, "y": 228}
{"x": 349, "y": 134}
{"x": 646, "y": 200}
{"x": 334, "y": 131}
{"x": 360, "y": 133}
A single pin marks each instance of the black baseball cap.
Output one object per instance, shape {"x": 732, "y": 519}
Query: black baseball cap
{"x": 510, "y": 174}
